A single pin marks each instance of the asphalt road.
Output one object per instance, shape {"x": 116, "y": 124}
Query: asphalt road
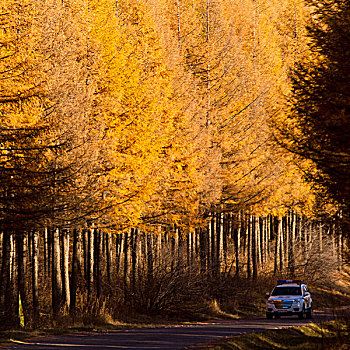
{"x": 162, "y": 338}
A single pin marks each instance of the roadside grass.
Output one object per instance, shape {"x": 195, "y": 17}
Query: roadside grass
{"x": 24, "y": 334}
{"x": 333, "y": 335}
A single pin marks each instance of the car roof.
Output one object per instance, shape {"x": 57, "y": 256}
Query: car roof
{"x": 289, "y": 285}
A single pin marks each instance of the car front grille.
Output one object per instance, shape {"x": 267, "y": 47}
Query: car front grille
{"x": 283, "y": 304}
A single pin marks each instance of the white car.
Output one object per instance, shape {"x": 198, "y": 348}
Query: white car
{"x": 289, "y": 297}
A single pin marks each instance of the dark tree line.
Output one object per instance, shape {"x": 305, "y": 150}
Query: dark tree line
{"x": 318, "y": 127}
{"x": 86, "y": 271}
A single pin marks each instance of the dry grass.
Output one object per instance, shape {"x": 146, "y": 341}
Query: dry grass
{"x": 333, "y": 335}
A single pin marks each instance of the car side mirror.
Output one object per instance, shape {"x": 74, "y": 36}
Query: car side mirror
{"x": 267, "y": 295}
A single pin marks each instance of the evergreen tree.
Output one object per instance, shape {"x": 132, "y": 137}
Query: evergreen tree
{"x": 318, "y": 126}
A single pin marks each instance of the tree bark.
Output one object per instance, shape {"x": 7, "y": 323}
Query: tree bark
{"x": 126, "y": 275}
{"x": 133, "y": 243}
{"x": 254, "y": 238}
{"x": 56, "y": 273}
{"x": 7, "y": 314}
{"x": 236, "y": 239}
{"x": 76, "y": 270}
{"x": 35, "y": 275}
{"x": 281, "y": 245}
{"x": 65, "y": 268}
{"x": 249, "y": 246}
{"x": 149, "y": 258}
{"x": 97, "y": 262}
{"x": 90, "y": 261}
{"x": 108, "y": 256}
{"x": 21, "y": 276}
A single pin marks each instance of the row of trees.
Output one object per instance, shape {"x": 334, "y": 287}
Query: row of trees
{"x": 81, "y": 270}
{"x": 137, "y": 119}
{"x": 140, "y": 113}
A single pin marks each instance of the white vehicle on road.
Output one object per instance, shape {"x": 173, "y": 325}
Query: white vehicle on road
{"x": 289, "y": 297}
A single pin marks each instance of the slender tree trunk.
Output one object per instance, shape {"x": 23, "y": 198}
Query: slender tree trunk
{"x": 202, "y": 250}
{"x": 49, "y": 251}
{"x": 108, "y": 256}
{"x": 236, "y": 239}
{"x": 35, "y": 275}
{"x": 188, "y": 248}
{"x": 65, "y": 268}
{"x": 90, "y": 260}
{"x": 22, "y": 292}
{"x": 212, "y": 245}
{"x": 292, "y": 244}
{"x": 149, "y": 257}
{"x": 218, "y": 242}
{"x": 97, "y": 262}
{"x": 76, "y": 270}
{"x": 226, "y": 234}
{"x": 126, "y": 276}
{"x": 320, "y": 238}
{"x": 254, "y": 237}
{"x": 281, "y": 246}
{"x": 249, "y": 246}
{"x": 133, "y": 243}
{"x": 118, "y": 250}
{"x": 262, "y": 230}
{"x": 13, "y": 253}
{"x": 56, "y": 273}
{"x": 139, "y": 257}
{"x": 85, "y": 237}
{"x": 45, "y": 252}
{"x": 277, "y": 249}
{"x": 7, "y": 314}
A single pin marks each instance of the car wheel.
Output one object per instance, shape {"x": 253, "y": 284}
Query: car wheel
{"x": 301, "y": 314}
{"x": 309, "y": 313}
{"x": 277, "y": 316}
{"x": 269, "y": 315}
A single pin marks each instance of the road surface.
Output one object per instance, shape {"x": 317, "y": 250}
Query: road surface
{"x": 161, "y": 338}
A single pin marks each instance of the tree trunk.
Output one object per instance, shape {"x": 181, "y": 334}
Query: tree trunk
{"x": 35, "y": 275}
{"x": 126, "y": 275}
{"x": 236, "y": 239}
{"x": 97, "y": 262}
{"x": 133, "y": 243}
{"x": 85, "y": 237}
{"x": 281, "y": 246}
{"x": 202, "y": 249}
{"x": 65, "y": 268}
{"x": 46, "y": 265}
{"x": 90, "y": 261}
{"x": 277, "y": 249}
{"x": 56, "y": 273}
{"x": 254, "y": 238}
{"x": 212, "y": 245}
{"x": 249, "y": 246}
{"x": 108, "y": 256}
{"x": 21, "y": 251}
{"x": 226, "y": 233}
{"x": 76, "y": 270}
{"x": 7, "y": 314}
{"x": 118, "y": 252}
{"x": 149, "y": 258}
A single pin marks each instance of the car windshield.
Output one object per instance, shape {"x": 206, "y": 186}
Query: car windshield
{"x": 286, "y": 291}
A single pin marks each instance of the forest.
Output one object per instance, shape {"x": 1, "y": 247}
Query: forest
{"x": 157, "y": 154}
